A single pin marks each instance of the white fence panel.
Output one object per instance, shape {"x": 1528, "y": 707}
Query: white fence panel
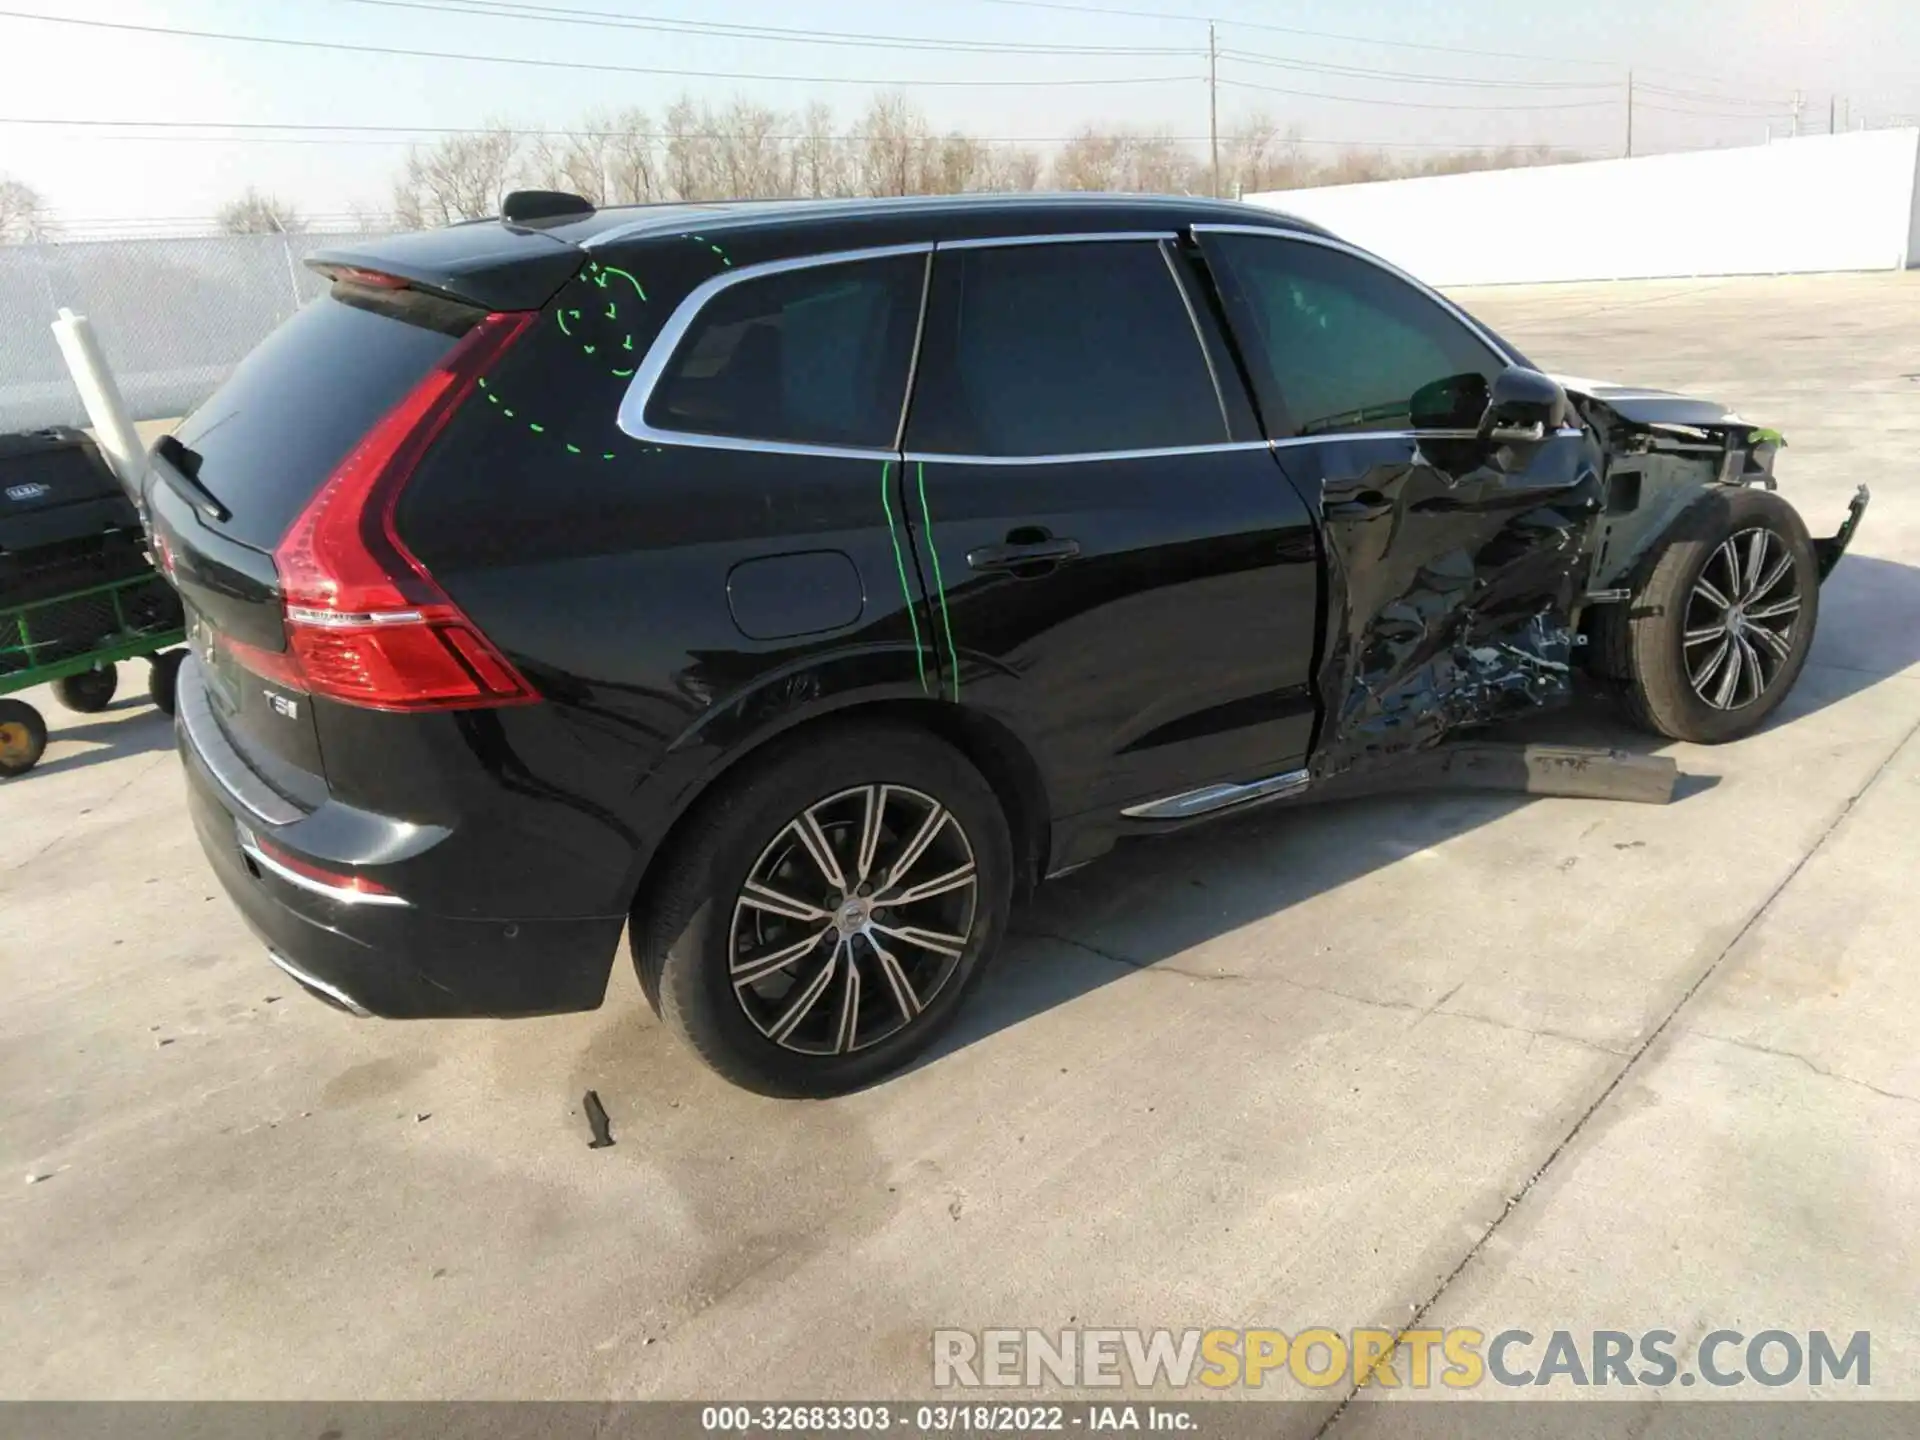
{"x": 173, "y": 316}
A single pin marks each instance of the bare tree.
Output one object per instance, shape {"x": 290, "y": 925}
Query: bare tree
{"x": 750, "y": 163}
{"x": 463, "y": 177}
{"x": 1255, "y": 156}
{"x": 821, "y": 157}
{"x": 610, "y": 161}
{"x": 253, "y": 213}
{"x": 25, "y": 215}
{"x": 1137, "y": 161}
{"x": 893, "y": 147}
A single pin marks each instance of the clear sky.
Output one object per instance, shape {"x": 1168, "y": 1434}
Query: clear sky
{"x": 1734, "y": 63}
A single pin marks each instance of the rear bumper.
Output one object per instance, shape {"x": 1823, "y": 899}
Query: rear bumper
{"x": 394, "y": 961}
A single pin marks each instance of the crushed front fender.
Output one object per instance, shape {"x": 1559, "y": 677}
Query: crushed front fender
{"x": 1829, "y": 550}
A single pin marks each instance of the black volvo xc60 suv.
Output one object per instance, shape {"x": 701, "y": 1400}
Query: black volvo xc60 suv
{"x": 799, "y": 584}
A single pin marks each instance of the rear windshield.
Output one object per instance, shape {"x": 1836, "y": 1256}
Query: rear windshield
{"x": 294, "y": 407}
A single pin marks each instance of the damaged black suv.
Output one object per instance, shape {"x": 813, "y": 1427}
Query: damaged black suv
{"x": 796, "y": 585}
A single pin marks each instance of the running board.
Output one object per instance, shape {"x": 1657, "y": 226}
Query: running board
{"x": 1191, "y": 803}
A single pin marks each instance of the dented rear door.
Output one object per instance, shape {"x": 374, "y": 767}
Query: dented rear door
{"x": 1454, "y": 567}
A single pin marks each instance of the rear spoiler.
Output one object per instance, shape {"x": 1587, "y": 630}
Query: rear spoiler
{"x": 496, "y": 267}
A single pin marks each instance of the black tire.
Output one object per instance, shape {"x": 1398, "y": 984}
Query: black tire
{"x": 1646, "y": 645}
{"x": 89, "y": 692}
{"x": 163, "y": 674}
{"x": 696, "y": 920}
{"x": 23, "y": 738}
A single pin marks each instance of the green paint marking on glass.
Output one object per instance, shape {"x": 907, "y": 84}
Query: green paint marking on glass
{"x": 537, "y": 429}
{"x": 939, "y": 585}
{"x": 493, "y": 397}
{"x": 607, "y": 456}
{"x": 900, "y": 563}
{"x": 623, "y": 374}
{"x": 615, "y": 270}
{"x": 481, "y": 382}
{"x": 573, "y": 449}
{"x": 613, "y": 311}
{"x": 627, "y": 344}
{"x": 589, "y": 348}
{"x": 507, "y": 413}
{"x": 560, "y": 316}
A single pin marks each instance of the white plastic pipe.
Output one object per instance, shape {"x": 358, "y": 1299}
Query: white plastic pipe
{"x": 112, "y": 426}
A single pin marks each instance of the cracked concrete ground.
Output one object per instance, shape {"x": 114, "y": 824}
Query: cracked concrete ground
{"x": 1467, "y": 1058}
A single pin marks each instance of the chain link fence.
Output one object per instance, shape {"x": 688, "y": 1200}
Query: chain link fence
{"x": 173, "y": 316}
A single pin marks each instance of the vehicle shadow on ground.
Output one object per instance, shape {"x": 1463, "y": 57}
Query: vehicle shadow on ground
{"x": 1153, "y": 899}
{"x": 111, "y": 734}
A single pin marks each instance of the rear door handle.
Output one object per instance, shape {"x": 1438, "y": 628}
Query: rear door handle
{"x": 1018, "y": 555}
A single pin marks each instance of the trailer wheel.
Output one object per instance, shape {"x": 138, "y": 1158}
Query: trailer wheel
{"x": 89, "y": 692}
{"x": 23, "y": 737}
{"x": 162, "y": 676}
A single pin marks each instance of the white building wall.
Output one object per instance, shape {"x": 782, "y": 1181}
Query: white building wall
{"x": 1825, "y": 202}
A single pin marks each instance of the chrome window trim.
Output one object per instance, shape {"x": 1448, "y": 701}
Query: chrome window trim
{"x": 998, "y": 242}
{"x": 1199, "y": 337}
{"x": 913, "y": 356}
{"x": 933, "y": 457}
{"x": 1327, "y": 242}
{"x": 632, "y": 415}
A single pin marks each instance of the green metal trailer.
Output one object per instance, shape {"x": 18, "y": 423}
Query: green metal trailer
{"x": 74, "y": 641}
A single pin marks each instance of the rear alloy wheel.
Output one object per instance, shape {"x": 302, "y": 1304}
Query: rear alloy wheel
{"x": 1717, "y": 633}
{"x": 89, "y": 692}
{"x": 23, "y": 737}
{"x": 829, "y": 911}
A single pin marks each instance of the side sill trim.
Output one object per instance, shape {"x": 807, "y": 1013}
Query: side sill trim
{"x": 1210, "y": 798}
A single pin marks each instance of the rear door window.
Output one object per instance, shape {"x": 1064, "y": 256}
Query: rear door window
{"x": 1339, "y": 345}
{"x": 1060, "y": 349}
{"x": 814, "y": 356}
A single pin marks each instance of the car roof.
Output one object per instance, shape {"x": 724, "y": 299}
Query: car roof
{"x": 1026, "y": 211}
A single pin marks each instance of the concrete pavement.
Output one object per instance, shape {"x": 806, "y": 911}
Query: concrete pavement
{"x": 1473, "y": 1059}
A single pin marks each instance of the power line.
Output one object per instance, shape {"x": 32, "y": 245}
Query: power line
{"x": 1050, "y": 82}
{"x": 1295, "y": 30}
{"x": 614, "y": 20}
{"x": 1276, "y": 62}
{"x": 405, "y": 130}
{"x": 1774, "y": 102}
{"x": 1413, "y": 104}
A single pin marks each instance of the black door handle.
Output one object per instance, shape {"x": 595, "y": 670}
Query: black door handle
{"x": 1018, "y": 555}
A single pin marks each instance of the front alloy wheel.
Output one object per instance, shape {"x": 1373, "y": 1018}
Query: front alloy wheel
{"x": 1740, "y": 619}
{"x": 853, "y": 920}
{"x": 822, "y": 915}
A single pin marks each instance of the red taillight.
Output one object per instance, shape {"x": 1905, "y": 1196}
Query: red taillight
{"x": 366, "y": 624}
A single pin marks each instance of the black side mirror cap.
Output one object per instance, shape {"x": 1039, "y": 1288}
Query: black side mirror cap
{"x": 1525, "y": 407}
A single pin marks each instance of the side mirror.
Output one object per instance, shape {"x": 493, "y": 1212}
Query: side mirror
{"x": 1525, "y": 407}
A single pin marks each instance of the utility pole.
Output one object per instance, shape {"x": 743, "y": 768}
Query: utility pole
{"x": 1798, "y": 100}
{"x": 1213, "y": 103}
{"x": 1629, "y": 114}
{"x": 1832, "y": 103}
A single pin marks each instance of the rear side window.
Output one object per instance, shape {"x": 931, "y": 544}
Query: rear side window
{"x": 812, "y": 356}
{"x": 1067, "y": 349}
{"x": 1338, "y": 344}
{"x": 306, "y": 396}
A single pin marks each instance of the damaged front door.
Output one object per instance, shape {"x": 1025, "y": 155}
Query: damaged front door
{"x": 1454, "y": 562}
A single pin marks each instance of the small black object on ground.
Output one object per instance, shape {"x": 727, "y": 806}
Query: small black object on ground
{"x": 597, "y": 1118}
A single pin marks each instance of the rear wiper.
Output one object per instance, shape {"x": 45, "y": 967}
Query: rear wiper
{"x": 180, "y": 468}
